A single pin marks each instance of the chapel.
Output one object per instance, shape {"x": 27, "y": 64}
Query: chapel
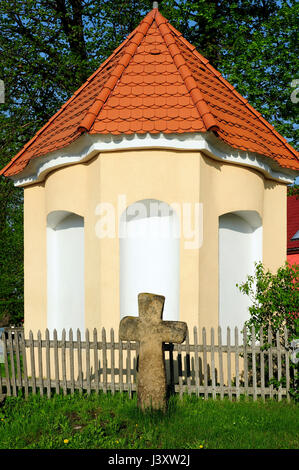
{"x": 155, "y": 176}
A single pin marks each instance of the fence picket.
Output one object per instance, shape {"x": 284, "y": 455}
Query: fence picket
{"x": 104, "y": 356}
{"x": 237, "y": 364}
{"x": 71, "y": 355}
{"x": 48, "y": 366}
{"x": 287, "y": 360}
{"x": 79, "y": 355}
{"x": 270, "y": 360}
{"x": 87, "y": 357}
{"x": 205, "y": 362}
{"x": 229, "y": 369}
{"x": 213, "y": 363}
{"x": 262, "y": 362}
{"x": 188, "y": 379}
{"x": 211, "y": 382}
{"x": 1, "y": 380}
{"x": 220, "y": 362}
{"x": 120, "y": 360}
{"x": 245, "y": 361}
{"x": 196, "y": 361}
{"x": 56, "y": 361}
{"x": 253, "y": 364}
{"x": 278, "y": 363}
{"x": 63, "y": 361}
{"x": 40, "y": 363}
{"x": 129, "y": 383}
{"x": 32, "y": 362}
{"x": 180, "y": 370}
{"x": 112, "y": 361}
{"x": 6, "y": 366}
{"x": 96, "y": 360}
{"x": 18, "y": 361}
{"x": 24, "y": 359}
{"x": 12, "y": 365}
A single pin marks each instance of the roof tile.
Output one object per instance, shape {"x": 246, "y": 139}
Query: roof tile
{"x": 156, "y": 81}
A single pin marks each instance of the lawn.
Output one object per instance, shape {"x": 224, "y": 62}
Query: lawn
{"x": 114, "y": 422}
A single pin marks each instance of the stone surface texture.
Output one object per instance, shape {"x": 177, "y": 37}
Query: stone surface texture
{"x": 151, "y": 332}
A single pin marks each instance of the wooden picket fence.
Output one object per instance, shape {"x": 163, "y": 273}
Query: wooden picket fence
{"x": 206, "y": 368}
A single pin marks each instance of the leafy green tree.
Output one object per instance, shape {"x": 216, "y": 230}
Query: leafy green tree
{"x": 275, "y": 300}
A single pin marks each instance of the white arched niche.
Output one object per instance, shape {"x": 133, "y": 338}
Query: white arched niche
{"x": 65, "y": 272}
{"x": 149, "y": 256}
{"x": 240, "y": 246}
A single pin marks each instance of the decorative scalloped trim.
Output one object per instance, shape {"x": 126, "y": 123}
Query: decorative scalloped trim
{"x": 88, "y": 146}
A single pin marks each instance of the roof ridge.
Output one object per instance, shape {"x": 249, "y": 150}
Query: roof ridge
{"x": 105, "y": 92}
{"x": 191, "y": 85}
{"x": 62, "y": 108}
{"x": 232, "y": 88}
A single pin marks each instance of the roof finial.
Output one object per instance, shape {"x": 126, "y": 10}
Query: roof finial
{"x": 155, "y": 5}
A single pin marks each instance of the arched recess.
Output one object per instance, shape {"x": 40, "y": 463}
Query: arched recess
{"x": 149, "y": 256}
{"x": 240, "y": 246}
{"x": 65, "y": 271}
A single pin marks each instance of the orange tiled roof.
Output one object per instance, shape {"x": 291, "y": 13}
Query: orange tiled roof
{"x": 156, "y": 81}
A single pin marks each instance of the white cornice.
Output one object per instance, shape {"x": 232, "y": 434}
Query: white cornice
{"x": 87, "y": 146}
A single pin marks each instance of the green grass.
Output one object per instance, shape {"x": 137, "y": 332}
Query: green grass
{"x": 114, "y": 422}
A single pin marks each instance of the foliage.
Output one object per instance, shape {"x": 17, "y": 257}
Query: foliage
{"x": 49, "y": 47}
{"x": 275, "y": 300}
{"x": 101, "y": 421}
{"x": 293, "y": 190}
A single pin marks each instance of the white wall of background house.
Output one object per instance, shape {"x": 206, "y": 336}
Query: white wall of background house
{"x": 240, "y": 245}
{"x": 65, "y": 272}
{"x": 149, "y": 256}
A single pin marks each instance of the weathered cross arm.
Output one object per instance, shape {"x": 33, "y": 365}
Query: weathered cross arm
{"x": 129, "y": 329}
{"x": 174, "y": 331}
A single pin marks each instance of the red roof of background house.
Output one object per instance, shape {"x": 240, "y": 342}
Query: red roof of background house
{"x": 156, "y": 81}
{"x": 292, "y": 224}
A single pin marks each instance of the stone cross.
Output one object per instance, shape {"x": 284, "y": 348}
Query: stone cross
{"x": 151, "y": 331}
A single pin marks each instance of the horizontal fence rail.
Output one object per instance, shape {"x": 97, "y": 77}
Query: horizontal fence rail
{"x": 205, "y": 367}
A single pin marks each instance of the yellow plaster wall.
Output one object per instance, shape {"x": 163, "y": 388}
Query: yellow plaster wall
{"x": 169, "y": 176}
